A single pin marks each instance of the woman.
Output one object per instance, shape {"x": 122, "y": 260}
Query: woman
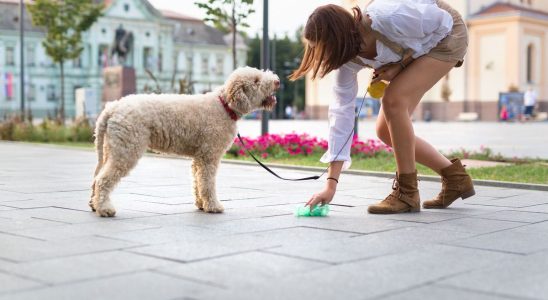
{"x": 410, "y": 43}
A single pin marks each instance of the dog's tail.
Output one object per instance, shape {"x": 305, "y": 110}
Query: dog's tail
{"x": 100, "y": 130}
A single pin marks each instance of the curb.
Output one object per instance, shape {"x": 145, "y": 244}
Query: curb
{"x": 429, "y": 178}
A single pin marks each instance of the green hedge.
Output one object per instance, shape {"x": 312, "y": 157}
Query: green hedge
{"x": 48, "y": 131}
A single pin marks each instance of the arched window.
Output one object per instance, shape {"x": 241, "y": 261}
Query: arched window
{"x": 530, "y": 63}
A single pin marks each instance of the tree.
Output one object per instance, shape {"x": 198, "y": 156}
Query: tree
{"x": 64, "y": 21}
{"x": 227, "y": 16}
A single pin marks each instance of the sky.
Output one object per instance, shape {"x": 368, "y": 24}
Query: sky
{"x": 285, "y": 16}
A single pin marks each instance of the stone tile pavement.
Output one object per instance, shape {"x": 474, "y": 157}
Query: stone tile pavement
{"x": 492, "y": 246}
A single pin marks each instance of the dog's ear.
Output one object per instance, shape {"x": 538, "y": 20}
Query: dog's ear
{"x": 237, "y": 94}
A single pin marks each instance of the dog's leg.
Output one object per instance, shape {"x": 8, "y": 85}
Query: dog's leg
{"x": 206, "y": 171}
{"x": 194, "y": 172}
{"x": 119, "y": 161}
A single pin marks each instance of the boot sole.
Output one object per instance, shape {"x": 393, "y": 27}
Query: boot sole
{"x": 463, "y": 196}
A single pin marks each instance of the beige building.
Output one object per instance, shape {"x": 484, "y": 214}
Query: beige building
{"x": 508, "y": 50}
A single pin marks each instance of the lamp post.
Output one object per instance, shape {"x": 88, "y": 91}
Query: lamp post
{"x": 265, "y": 63}
{"x": 22, "y": 56}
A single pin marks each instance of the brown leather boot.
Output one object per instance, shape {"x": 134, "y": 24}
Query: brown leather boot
{"x": 456, "y": 183}
{"x": 404, "y": 197}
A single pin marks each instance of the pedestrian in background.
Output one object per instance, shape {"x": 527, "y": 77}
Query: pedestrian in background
{"x": 529, "y": 102}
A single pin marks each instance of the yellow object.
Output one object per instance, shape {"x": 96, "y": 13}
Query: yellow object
{"x": 376, "y": 90}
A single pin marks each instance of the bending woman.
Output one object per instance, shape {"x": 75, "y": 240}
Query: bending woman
{"x": 410, "y": 43}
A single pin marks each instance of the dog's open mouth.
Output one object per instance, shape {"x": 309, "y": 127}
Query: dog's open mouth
{"x": 269, "y": 102}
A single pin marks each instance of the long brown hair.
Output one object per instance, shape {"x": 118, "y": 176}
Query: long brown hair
{"x": 335, "y": 33}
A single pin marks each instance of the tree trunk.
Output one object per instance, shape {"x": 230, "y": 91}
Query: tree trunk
{"x": 62, "y": 108}
{"x": 234, "y": 32}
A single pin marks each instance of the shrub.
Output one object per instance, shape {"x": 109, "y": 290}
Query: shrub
{"x": 290, "y": 145}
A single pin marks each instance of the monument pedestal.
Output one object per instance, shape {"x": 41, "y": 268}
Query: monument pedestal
{"x": 119, "y": 81}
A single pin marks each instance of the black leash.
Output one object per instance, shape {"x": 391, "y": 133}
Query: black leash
{"x": 311, "y": 177}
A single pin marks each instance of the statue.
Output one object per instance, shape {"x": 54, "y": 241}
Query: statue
{"x": 123, "y": 43}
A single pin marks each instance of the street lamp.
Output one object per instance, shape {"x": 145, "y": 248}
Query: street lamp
{"x": 265, "y": 63}
{"x": 22, "y": 55}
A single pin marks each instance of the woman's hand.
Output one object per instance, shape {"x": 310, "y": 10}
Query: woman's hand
{"x": 321, "y": 198}
{"x": 387, "y": 72}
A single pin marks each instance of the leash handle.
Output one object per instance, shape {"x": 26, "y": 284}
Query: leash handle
{"x": 272, "y": 172}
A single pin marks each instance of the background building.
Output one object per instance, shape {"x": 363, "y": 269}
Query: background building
{"x": 508, "y": 50}
{"x": 171, "y": 45}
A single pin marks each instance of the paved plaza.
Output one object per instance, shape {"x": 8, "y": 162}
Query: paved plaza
{"x": 491, "y": 246}
{"x": 509, "y": 139}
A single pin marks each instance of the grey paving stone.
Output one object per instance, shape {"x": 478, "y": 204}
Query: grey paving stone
{"x": 13, "y": 283}
{"x": 435, "y": 292}
{"x": 368, "y": 246}
{"x": 82, "y": 230}
{"x": 142, "y": 285}
{"x": 474, "y": 225}
{"x": 520, "y": 277}
{"x": 186, "y": 251}
{"x": 374, "y": 277}
{"x": 242, "y": 270}
{"x": 526, "y": 239}
{"x": 518, "y": 201}
{"x": 52, "y": 214}
{"x": 543, "y": 208}
{"x": 87, "y": 266}
{"x": 10, "y": 225}
{"x": 516, "y": 216}
{"x": 20, "y": 249}
{"x": 425, "y": 216}
{"x": 257, "y": 248}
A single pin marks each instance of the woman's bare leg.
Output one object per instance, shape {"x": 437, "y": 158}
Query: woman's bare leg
{"x": 402, "y": 96}
{"x": 425, "y": 154}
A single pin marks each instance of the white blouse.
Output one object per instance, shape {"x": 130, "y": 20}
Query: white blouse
{"x": 413, "y": 24}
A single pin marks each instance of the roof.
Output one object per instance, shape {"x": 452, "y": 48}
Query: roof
{"x": 9, "y": 16}
{"x": 178, "y": 16}
{"x": 192, "y": 30}
{"x": 503, "y": 8}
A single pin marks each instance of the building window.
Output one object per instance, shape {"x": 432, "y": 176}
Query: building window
{"x": 148, "y": 58}
{"x": 220, "y": 64}
{"x": 10, "y": 56}
{"x": 31, "y": 93}
{"x": 160, "y": 58}
{"x": 31, "y": 55}
{"x": 530, "y": 63}
{"x": 126, "y": 7}
{"x": 102, "y": 56}
{"x": 77, "y": 62}
{"x": 205, "y": 64}
{"x": 51, "y": 93}
{"x": 189, "y": 63}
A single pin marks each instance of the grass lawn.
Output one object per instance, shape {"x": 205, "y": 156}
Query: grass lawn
{"x": 531, "y": 172}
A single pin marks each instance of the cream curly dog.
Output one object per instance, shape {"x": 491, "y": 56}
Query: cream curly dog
{"x": 199, "y": 126}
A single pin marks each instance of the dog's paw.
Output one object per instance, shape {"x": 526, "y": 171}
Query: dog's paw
{"x": 106, "y": 210}
{"x": 199, "y": 205}
{"x": 214, "y": 207}
{"x": 91, "y": 205}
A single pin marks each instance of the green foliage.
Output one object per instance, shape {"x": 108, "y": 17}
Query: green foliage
{"x": 64, "y": 22}
{"x": 48, "y": 131}
{"x": 225, "y": 15}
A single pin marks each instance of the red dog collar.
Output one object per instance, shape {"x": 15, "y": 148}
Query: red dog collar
{"x": 233, "y": 115}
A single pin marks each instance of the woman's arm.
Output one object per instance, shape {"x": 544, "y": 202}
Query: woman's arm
{"x": 341, "y": 126}
{"x": 326, "y": 195}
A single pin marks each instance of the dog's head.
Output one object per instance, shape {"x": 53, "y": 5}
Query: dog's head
{"x": 248, "y": 89}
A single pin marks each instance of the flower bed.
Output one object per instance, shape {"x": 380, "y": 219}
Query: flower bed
{"x": 292, "y": 145}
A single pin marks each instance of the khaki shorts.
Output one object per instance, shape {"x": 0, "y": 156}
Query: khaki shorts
{"x": 453, "y": 47}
